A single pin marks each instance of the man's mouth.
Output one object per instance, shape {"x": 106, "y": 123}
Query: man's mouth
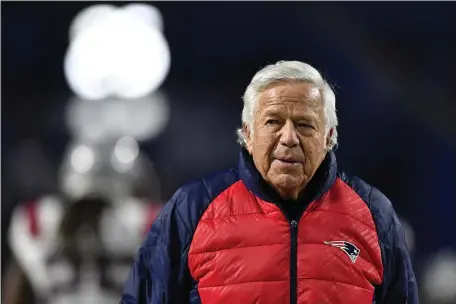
{"x": 288, "y": 161}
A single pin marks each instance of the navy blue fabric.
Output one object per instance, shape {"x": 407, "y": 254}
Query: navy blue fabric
{"x": 399, "y": 282}
{"x": 163, "y": 255}
{"x": 160, "y": 272}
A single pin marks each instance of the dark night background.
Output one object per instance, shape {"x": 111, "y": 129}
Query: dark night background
{"x": 392, "y": 63}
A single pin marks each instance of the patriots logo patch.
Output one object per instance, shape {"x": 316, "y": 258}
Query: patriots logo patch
{"x": 350, "y": 249}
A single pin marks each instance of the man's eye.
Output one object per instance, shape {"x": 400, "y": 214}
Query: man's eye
{"x": 304, "y": 125}
{"x": 272, "y": 122}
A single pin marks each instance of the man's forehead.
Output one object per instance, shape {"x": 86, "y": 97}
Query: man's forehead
{"x": 290, "y": 92}
{"x": 302, "y": 98}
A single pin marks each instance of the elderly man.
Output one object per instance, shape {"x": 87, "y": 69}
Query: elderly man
{"x": 285, "y": 226}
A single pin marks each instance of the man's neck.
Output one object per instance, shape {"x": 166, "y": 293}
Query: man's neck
{"x": 292, "y": 194}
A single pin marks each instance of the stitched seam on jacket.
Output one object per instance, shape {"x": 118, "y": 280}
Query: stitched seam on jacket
{"x": 187, "y": 230}
{"x": 215, "y": 197}
{"x": 229, "y": 284}
{"x": 233, "y": 248}
{"x": 335, "y": 281}
{"x": 235, "y": 215}
{"x": 207, "y": 190}
{"x": 368, "y": 203}
{"x": 390, "y": 227}
{"x": 187, "y": 248}
{"x": 340, "y": 213}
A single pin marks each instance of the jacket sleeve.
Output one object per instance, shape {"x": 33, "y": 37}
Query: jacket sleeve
{"x": 399, "y": 282}
{"x": 160, "y": 273}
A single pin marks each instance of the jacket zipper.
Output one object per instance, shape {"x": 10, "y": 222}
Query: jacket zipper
{"x": 294, "y": 262}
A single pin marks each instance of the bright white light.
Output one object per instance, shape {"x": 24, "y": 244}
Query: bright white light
{"x": 82, "y": 159}
{"x": 440, "y": 278}
{"x": 142, "y": 118}
{"x": 88, "y": 17}
{"x": 124, "y": 155}
{"x": 150, "y": 14}
{"x": 85, "y": 69}
{"x": 151, "y": 115}
{"x": 126, "y": 150}
{"x": 119, "y": 56}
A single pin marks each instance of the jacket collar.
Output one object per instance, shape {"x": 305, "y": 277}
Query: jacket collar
{"x": 322, "y": 181}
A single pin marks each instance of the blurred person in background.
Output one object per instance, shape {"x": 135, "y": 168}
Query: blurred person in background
{"x": 286, "y": 226}
{"x": 77, "y": 245}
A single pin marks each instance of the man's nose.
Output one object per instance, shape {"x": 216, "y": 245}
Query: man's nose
{"x": 289, "y": 137}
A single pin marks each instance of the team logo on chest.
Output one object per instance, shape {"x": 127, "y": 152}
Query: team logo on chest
{"x": 350, "y": 249}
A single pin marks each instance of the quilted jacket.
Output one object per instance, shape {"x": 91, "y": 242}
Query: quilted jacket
{"x": 229, "y": 238}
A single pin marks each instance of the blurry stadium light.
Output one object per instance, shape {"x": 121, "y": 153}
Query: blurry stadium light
{"x": 110, "y": 177}
{"x": 142, "y": 118}
{"x": 89, "y": 17}
{"x": 125, "y": 153}
{"x": 150, "y": 14}
{"x": 409, "y": 234}
{"x": 82, "y": 159}
{"x": 440, "y": 278}
{"x": 126, "y": 150}
{"x": 121, "y": 55}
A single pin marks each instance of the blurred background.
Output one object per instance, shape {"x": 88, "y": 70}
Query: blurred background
{"x": 104, "y": 117}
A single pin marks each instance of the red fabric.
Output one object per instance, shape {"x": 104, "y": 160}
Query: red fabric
{"x": 32, "y": 214}
{"x": 340, "y": 216}
{"x": 240, "y": 251}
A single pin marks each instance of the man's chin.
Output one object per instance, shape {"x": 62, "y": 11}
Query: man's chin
{"x": 286, "y": 182}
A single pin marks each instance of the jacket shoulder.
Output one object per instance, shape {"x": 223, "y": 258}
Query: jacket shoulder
{"x": 399, "y": 282}
{"x": 380, "y": 206}
{"x": 193, "y": 198}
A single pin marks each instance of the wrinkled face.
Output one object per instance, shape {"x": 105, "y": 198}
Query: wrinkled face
{"x": 288, "y": 142}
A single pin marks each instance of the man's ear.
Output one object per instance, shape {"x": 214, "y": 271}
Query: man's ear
{"x": 248, "y": 137}
{"x": 328, "y": 138}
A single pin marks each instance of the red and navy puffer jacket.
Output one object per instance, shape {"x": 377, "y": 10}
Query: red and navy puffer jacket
{"x": 230, "y": 238}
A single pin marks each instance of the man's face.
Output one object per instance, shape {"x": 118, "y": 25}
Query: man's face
{"x": 288, "y": 142}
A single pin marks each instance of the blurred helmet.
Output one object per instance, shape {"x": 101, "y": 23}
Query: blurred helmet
{"x": 115, "y": 169}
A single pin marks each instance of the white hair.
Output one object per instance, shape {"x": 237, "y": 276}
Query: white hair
{"x": 295, "y": 71}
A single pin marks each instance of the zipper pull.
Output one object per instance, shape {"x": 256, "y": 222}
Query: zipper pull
{"x": 294, "y": 224}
